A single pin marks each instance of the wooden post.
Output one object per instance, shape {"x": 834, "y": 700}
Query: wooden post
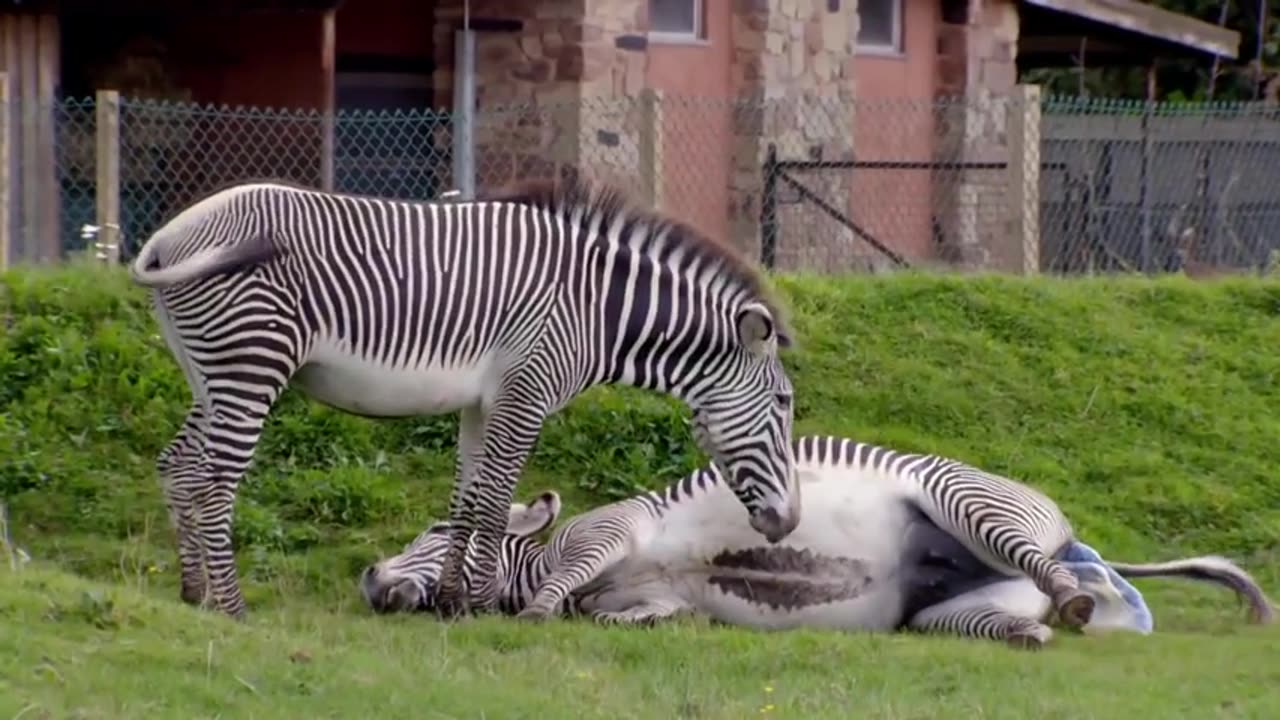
{"x": 6, "y": 167}
{"x": 328, "y": 67}
{"x": 650, "y": 146}
{"x": 1024, "y": 177}
{"x": 28, "y": 139}
{"x": 45, "y": 173}
{"x": 108, "y": 180}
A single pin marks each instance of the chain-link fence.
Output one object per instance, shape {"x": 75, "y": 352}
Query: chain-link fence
{"x": 1012, "y": 183}
{"x": 1160, "y": 187}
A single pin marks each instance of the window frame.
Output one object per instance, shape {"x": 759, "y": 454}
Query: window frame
{"x": 895, "y": 47}
{"x": 698, "y": 36}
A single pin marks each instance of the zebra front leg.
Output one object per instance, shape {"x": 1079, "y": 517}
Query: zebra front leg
{"x": 985, "y": 621}
{"x": 507, "y": 434}
{"x": 646, "y": 614}
{"x": 178, "y": 465}
{"x": 578, "y": 555}
{"x": 453, "y": 591}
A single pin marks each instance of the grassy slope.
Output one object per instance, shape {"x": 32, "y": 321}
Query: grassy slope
{"x": 1148, "y": 410}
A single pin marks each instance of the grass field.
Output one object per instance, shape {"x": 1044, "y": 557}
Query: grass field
{"x": 1148, "y": 410}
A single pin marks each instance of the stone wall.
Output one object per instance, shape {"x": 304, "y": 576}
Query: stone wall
{"x": 977, "y": 73}
{"x": 793, "y": 76}
{"x": 555, "y": 91}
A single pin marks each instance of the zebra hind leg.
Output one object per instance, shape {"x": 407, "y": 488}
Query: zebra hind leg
{"x": 177, "y": 465}
{"x": 1005, "y": 541}
{"x": 229, "y": 450}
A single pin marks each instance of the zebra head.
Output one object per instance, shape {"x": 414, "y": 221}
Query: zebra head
{"x": 742, "y": 418}
{"x": 407, "y": 582}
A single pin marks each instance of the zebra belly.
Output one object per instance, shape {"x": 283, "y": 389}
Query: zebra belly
{"x": 337, "y": 377}
{"x": 840, "y": 568}
{"x": 783, "y": 603}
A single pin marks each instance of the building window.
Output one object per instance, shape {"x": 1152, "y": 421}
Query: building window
{"x": 880, "y": 26}
{"x": 677, "y": 20}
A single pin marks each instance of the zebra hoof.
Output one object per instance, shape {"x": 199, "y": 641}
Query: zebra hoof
{"x": 1024, "y": 641}
{"x": 449, "y": 607}
{"x": 534, "y": 614}
{"x": 192, "y": 594}
{"x": 1032, "y": 636}
{"x": 1076, "y": 609}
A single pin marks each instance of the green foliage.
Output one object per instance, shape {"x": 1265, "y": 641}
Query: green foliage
{"x": 1146, "y": 408}
{"x": 80, "y": 651}
{"x": 1251, "y": 76}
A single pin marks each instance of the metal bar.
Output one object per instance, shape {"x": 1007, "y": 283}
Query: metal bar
{"x": 840, "y": 217}
{"x": 1144, "y": 169}
{"x": 464, "y": 113}
{"x": 328, "y": 55}
{"x": 107, "y": 190}
{"x": 887, "y": 165}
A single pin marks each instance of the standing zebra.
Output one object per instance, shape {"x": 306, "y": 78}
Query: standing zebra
{"x": 504, "y": 309}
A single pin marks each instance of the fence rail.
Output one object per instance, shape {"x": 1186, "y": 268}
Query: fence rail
{"x": 1016, "y": 183}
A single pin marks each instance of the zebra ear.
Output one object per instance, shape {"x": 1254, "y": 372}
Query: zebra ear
{"x": 531, "y": 519}
{"x": 756, "y": 328}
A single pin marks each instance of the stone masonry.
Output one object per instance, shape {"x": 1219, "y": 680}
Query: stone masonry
{"x": 976, "y": 73}
{"x": 793, "y": 77}
{"x": 556, "y": 87}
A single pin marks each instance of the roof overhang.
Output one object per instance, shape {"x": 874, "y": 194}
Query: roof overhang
{"x": 1115, "y": 32}
{"x": 166, "y": 7}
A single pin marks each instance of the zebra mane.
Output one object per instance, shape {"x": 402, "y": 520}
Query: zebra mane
{"x": 603, "y": 204}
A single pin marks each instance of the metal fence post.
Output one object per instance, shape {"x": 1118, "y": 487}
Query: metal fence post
{"x": 650, "y": 145}
{"x": 328, "y": 110}
{"x": 769, "y": 209}
{"x": 1144, "y": 172}
{"x": 107, "y": 187}
{"x": 6, "y": 172}
{"x": 464, "y": 113}
{"x": 1024, "y": 177}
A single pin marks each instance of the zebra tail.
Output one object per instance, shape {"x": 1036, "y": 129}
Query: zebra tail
{"x": 1212, "y": 569}
{"x": 203, "y": 264}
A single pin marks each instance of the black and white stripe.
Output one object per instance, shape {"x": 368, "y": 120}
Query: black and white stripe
{"x": 539, "y": 295}
{"x": 1007, "y": 525}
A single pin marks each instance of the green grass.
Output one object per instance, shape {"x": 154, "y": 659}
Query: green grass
{"x": 1147, "y": 409}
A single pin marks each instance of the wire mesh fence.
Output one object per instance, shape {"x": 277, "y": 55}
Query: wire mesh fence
{"x": 1160, "y": 187}
{"x": 1013, "y": 183}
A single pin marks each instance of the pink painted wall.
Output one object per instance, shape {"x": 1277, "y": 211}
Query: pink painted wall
{"x": 895, "y": 121}
{"x": 697, "y": 130}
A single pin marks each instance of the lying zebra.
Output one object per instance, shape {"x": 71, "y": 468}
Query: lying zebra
{"x": 887, "y": 540}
